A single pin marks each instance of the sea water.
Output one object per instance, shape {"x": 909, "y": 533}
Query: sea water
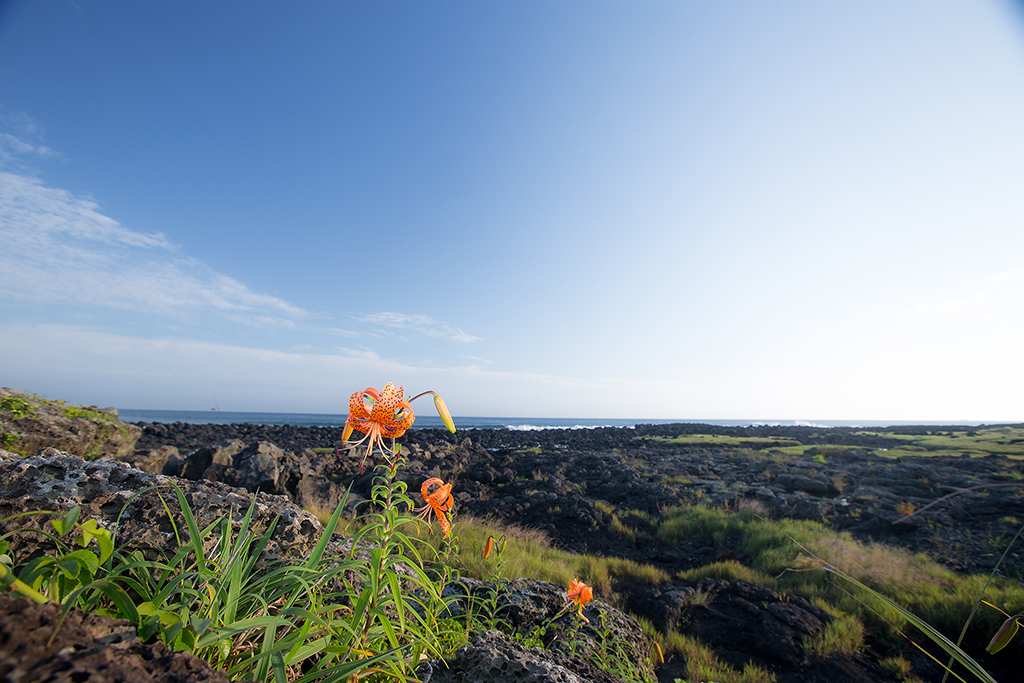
{"x": 431, "y": 421}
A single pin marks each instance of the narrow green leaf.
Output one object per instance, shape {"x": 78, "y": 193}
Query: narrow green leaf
{"x": 940, "y": 640}
{"x": 332, "y": 524}
{"x": 196, "y": 540}
{"x": 277, "y": 663}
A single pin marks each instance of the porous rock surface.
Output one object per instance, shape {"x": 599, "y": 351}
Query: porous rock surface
{"x": 571, "y": 484}
{"x": 97, "y": 649}
{"x": 525, "y": 607}
{"x": 493, "y": 658}
{"x": 130, "y": 503}
{"x": 88, "y": 648}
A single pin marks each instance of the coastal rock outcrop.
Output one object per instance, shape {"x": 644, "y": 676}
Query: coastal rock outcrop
{"x": 492, "y": 657}
{"x": 135, "y": 505}
{"x": 131, "y": 503}
{"x": 29, "y": 423}
{"x": 602, "y": 492}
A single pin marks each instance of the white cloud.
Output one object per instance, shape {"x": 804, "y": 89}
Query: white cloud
{"x": 59, "y": 248}
{"x": 420, "y": 323}
{"x": 56, "y": 247}
{"x": 26, "y": 140}
{"x": 90, "y": 366}
{"x": 36, "y": 216}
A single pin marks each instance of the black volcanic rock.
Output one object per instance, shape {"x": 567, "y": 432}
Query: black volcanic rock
{"x": 576, "y": 485}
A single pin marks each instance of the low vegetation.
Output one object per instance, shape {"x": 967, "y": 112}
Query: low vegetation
{"x": 973, "y": 442}
{"x": 378, "y": 609}
{"x": 1007, "y": 441}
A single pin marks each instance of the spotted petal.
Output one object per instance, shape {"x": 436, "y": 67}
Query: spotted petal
{"x": 391, "y": 412}
{"x": 440, "y": 501}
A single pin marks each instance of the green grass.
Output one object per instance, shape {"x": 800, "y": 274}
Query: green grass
{"x": 19, "y": 408}
{"x": 939, "y": 596}
{"x": 373, "y": 612}
{"x": 702, "y": 664}
{"x": 844, "y": 636}
{"x": 529, "y": 553}
{"x": 1005, "y": 441}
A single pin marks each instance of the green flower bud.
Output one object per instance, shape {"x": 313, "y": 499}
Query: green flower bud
{"x": 1004, "y": 635}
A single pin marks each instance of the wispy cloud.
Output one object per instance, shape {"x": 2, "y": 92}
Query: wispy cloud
{"x": 420, "y": 323}
{"x": 59, "y": 248}
{"x": 56, "y": 247}
{"x": 186, "y": 373}
{"x": 21, "y": 141}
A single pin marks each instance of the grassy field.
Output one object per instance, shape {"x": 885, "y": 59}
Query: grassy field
{"x": 1006, "y": 441}
{"x": 931, "y": 591}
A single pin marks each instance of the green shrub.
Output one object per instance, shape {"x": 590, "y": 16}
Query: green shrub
{"x": 18, "y": 407}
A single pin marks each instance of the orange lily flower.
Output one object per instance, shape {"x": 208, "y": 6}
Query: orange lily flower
{"x": 581, "y": 594}
{"x": 440, "y": 502}
{"x": 388, "y": 417}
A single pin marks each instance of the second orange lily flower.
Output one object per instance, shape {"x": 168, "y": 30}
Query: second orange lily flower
{"x": 581, "y": 594}
{"x": 440, "y": 502}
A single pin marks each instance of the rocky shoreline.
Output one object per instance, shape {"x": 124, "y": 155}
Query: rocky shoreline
{"x": 593, "y": 491}
{"x": 550, "y": 480}
{"x": 570, "y": 484}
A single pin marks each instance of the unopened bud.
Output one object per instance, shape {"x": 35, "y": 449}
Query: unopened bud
{"x": 442, "y": 410}
{"x": 1003, "y": 636}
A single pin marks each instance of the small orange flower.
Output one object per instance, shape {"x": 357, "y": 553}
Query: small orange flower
{"x": 388, "y": 417}
{"x": 581, "y": 594}
{"x": 440, "y": 502}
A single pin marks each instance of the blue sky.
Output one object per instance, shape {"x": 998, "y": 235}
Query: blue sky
{"x": 793, "y": 210}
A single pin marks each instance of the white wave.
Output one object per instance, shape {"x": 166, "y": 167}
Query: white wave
{"x": 539, "y": 428}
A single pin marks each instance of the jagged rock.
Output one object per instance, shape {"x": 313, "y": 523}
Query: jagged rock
{"x": 820, "y": 485}
{"x": 197, "y": 465}
{"x": 525, "y": 605}
{"x": 86, "y": 432}
{"x": 88, "y": 647}
{"x": 128, "y": 502}
{"x": 571, "y": 485}
{"x": 304, "y": 477}
{"x": 493, "y": 658}
{"x": 163, "y": 460}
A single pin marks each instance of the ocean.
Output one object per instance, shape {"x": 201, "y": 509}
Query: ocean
{"x": 432, "y": 421}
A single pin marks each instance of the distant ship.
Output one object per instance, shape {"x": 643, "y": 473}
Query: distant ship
{"x": 216, "y": 406}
